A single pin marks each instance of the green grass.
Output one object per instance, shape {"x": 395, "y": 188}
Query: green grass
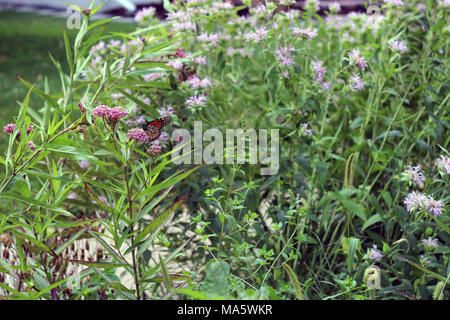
{"x": 26, "y": 41}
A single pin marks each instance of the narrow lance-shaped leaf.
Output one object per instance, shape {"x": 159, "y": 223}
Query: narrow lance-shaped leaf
{"x": 159, "y": 221}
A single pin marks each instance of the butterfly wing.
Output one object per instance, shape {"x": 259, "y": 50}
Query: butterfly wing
{"x": 153, "y": 128}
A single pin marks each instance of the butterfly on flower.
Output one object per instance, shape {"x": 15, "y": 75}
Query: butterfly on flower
{"x": 154, "y": 127}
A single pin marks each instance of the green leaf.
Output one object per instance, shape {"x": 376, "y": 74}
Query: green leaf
{"x": 167, "y": 6}
{"x": 68, "y": 51}
{"x": 158, "y": 222}
{"x": 353, "y": 246}
{"x": 34, "y": 241}
{"x": 167, "y": 279}
{"x": 371, "y": 221}
{"x": 70, "y": 152}
{"x": 35, "y": 202}
{"x": 216, "y": 282}
{"x": 41, "y": 93}
{"x": 354, "y": 208}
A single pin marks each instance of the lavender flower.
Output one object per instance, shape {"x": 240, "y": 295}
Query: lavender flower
{"x": 443, "y": 163}
{"x": 195, "y": 82}
{"x": 414, "y": 201}
{"x": 334, "y": 7}
{"x": 84, "y": 164}
{"x": 306, "y": 131}
{"x": 413, "y": 175}
{"x": 319, "y": 70}
{"x": 357, "y": 59}
{"x": 312, "y": 5}
{"x": 375, "y": 254}
{"x": 398, "y": 3}
{"x": 398, "y": 45}
{"x": 308, "y": 33}
{"x": 434, "y": 207}
{"x": 419, "y": 201}
{"x": 430, "y": 243}
{"x": 165, "y": 112}
{"x": 356, "y": 84}
{"x": 195, "y": 101}
{"x": 143, "y": 13}
{"x": 424, "y": 259}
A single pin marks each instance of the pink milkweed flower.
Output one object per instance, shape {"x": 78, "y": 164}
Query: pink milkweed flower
{"x": 414, "y": 175}
{"x": 357, "y": 59}
{"x": 9, "y": 128}
{"x": 375, "y": 254}
{"x": 154, "y": 150}
{"x": 153, "y": 76}
{"x": 113, "y": 114}
{"x": 177, "y": 65}
{"x": 430, "y": 243}
{"x": 31, "y": 145}
{"x": 138, "y": 134}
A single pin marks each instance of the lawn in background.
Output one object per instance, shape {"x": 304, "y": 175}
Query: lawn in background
{"x": 25, "y": 42}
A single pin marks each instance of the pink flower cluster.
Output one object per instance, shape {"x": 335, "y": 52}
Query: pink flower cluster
{"x": 112, "y": 114}
{"x": 9, "y": 128}
{"x": 138, "y": 134}
{"x": 154, "y": 150}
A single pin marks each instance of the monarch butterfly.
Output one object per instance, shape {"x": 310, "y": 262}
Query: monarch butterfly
{"x": 153, "y": 128}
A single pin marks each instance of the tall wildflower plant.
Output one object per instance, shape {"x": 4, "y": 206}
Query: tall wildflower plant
{"x": 82, "y": 200}
{"x": 357, "y": 209}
